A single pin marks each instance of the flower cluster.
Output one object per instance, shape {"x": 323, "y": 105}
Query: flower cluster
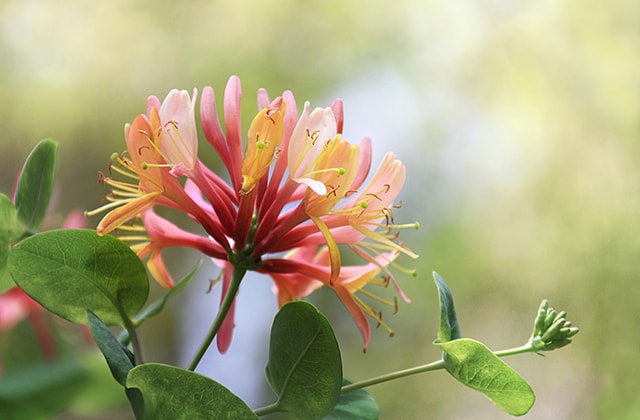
{"x": 551, "y": 329}
{"x": 296, "y": 193}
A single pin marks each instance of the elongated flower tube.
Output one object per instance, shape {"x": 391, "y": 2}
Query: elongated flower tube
{"x": 295, "y": 187}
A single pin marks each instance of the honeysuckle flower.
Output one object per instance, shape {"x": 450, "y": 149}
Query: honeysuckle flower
{"x": 146, "y": 163}
{"x": 296, "y": 188}
{"x": 263, "y": 144}
{"x": 177, "y": 128}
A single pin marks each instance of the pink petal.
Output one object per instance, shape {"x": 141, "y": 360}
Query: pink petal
{"x": 225, "y": 334}
{"x": 232, "y": 99}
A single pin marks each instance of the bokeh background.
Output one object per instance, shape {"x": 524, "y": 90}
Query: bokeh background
{"x": 518, "y": 123}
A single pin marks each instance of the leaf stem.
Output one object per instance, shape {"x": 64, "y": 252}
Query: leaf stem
{"x": 236, "y": 278}
{"x": 133, "y": 337}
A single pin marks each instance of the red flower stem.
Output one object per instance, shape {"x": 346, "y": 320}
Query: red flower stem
{"x": 236, "y": 279}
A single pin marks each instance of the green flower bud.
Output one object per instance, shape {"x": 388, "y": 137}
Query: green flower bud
{"x": 551, "y": 330}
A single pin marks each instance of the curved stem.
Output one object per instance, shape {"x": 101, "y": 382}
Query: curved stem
{"x": 393, "y": 375}
{"x": 263, "y": 411}
{"x": 238, "y": 274}
{"x": 526, "y": 348}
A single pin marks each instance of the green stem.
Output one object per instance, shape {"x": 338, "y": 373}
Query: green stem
{"x": 394, "y": 375}
{"x": 238, "y": 274}
{"x": 135, "y": 345}
{"x": 132, "y": 336}
{"x": 263, "y": 411}
{"x": 525, "y": 348}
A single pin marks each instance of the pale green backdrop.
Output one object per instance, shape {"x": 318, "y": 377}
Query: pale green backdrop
{"x": 518, "y": 123}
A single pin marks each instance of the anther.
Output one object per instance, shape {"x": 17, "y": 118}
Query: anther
{"x": 147, "y": 135}
{"x": 140, "y": 149}
{"x": 333, "y": 190}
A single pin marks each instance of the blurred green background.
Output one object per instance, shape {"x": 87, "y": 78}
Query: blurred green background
{"x": 518, "y": 123}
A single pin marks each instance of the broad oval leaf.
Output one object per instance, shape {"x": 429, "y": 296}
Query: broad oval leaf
{"x": 354, "y": 405}
{"x": 449, "y": 327}
{"x": 35, "y": 184}
{"x": 305, "y": 367}
{"x": 71, "y": 270}
{"x": 473, "y": 364}
{"x": 170, "y": 392}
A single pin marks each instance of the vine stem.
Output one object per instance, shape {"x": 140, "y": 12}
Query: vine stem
{"x": 394, "y": 375}
{"x": 439, "y": 364}
{"x": 236, "y": 279}
{"x": 526, "y": 348}
{"x": 263, "y": 411}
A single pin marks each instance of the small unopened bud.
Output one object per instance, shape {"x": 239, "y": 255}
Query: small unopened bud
{"x": 551, "y": 332}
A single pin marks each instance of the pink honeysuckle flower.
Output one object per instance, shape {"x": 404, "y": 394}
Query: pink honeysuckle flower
{"x": 145, "y": 163}
{"x": 177, "y": 128}
{"x": 296, "y": 188}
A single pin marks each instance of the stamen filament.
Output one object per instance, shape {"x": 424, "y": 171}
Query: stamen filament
{"x": 128, "y": 173}
{"x": 373, "y": 314}
{"x": 106, "y": 207}
{"x": 378, "y": 298}
{"x": 133, "y": 238}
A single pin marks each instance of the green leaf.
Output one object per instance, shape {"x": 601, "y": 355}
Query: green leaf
{"x": 11, "y": 230}
{"x": 304, "y": 367}
{"x": 174, "y": 393}
{"x": 71, "y": 270}
{"x": 449, "y": 328}
{"x": 118, "y": 357}
{"x": 354, "y": 405}
{"x": 473, "y": 364}
{"x": 35, "y": 184}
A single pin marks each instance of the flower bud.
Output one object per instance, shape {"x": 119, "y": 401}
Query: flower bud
{"x": 551, "y": 330}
